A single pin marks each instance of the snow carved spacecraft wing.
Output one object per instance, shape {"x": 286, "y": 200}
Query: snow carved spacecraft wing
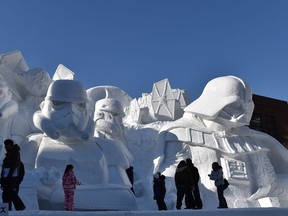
{"x": 163, "y": 101}
{"x": 63, "y": 72}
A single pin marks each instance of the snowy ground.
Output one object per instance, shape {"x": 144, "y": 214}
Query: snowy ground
{"x": 218, "y": 212}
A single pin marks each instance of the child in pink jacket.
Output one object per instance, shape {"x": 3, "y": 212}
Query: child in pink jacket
{"x": 69, "y": 183}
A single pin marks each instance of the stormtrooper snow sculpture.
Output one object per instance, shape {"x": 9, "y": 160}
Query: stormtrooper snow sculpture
{"x": 63, "y": 114}
{"x": 213, "y": 128}
{"x": 108, "y": 125}
{"x": 68, "y": 139}
{"x": 108, "y": 116}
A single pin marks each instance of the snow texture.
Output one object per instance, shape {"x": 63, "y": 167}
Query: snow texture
{"x": 102, "y": 131}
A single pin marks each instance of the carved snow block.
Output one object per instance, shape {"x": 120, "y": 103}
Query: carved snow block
{"x": 269, "y": 202}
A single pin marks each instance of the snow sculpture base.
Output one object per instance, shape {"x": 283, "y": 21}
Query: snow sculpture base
{"x": 269, "y": 202}
{"x": 104, "y": 197}
{"x": 27, "y": 192}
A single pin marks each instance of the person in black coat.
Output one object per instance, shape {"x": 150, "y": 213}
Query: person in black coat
{"x": 130, "y": 174}
{"x": 184, "y": 185}
{"x": 195, "y": 192}
{"x": 12, "y": 174}
{"x": 159, "y": 190}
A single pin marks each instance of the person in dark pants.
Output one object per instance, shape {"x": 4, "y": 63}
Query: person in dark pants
{"x": 217, "y": 176}
{"x": 184, "y": 185}
{"x": 195, "y": 192}
{"x": 130, "y": 174}
{"x": 12, "y": 175}
{"x": 159, "y": 190}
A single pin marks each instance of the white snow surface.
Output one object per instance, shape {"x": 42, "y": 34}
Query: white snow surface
{"x": 219, "y": 212}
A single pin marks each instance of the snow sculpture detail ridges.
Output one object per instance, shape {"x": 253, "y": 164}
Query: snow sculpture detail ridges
{"x": 212, "y": 128}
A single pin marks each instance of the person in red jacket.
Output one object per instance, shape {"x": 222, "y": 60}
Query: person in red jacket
{"x": 69, "y": 182}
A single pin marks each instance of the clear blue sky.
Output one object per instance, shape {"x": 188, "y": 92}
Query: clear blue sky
{"x": 133, "y": 43}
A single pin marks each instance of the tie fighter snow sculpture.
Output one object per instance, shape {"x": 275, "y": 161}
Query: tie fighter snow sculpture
{"x": 162, "y": 104}
{"x": 163, "y": 101}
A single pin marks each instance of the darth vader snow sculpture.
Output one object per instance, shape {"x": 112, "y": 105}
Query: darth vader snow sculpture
{"x": 214, "y": 128}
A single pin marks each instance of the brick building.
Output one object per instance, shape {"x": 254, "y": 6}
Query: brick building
{"x": 271, "y": 116}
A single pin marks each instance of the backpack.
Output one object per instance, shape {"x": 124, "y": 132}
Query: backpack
{"x": 21, "y": 172}
{"x": 226, "y": 183}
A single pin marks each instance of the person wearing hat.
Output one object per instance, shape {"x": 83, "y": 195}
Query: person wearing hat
{"x": 159, "y": 190}
{"x": 12, "y": 174}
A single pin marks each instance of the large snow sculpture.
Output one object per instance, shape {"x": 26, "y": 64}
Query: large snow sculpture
{"x": 213, "y": 128}
{"x": 108, "y": 117}
{"x": 89, "y": 130}
{"x": 109, "y": 125}
{"x": 108, "y": 109}
{"x": 97, "y": 93}
{"x": 68, "y": 138}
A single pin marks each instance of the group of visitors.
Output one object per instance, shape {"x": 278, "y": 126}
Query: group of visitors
{"x": 186, "y": 181}
{"x": 13, "y": 172}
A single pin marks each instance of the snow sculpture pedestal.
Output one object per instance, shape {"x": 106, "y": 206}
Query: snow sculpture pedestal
{"x": 104, "y": 197}
{"x": 269, "y": 202}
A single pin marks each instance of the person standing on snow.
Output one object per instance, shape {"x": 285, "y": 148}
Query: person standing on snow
{"x": 184, "y": 185}
{"x": 12, "y": 175}
{"x": 196, "y": 178}
{"x": 217, "y": 176}
{"x": 69, "y": 182}
{"x": 159, "y": 190}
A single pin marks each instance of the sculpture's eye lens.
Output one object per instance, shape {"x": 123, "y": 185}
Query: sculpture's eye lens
{"x": 82, "y": 105}
{"x": 100, "y": 115}
{"x": 58, "y": 103}
{"x": 110, "y": 116}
